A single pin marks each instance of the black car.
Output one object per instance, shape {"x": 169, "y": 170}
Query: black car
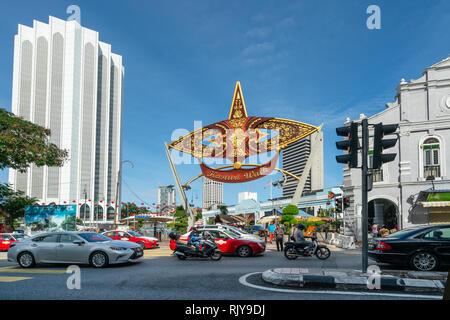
{"x": 422, "y": 248}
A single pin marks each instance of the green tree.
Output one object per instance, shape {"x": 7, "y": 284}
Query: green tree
{"x": 181, "y": 222}
{"x": 291, "y": 210}
{"x": 199, "y": 215}
{"x": 223, "y": 209}
{"x": 12, "y": 205}
{"x": 23, "y": 143}
{"x": 288, "y": 220}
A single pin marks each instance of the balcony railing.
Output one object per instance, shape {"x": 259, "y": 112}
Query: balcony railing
{"x": 434, "y": 171}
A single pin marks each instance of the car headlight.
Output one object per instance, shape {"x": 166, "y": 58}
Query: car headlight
{"x": 117, "y": 248}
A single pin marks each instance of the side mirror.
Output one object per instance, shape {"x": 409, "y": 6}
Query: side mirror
{"x": 78, "y": 242}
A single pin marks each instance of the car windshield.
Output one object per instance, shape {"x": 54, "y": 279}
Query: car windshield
{"x": 134, "y": 234}
{"x": 94, "y": 237}
{"x": 231, "y": 234}
{"x": 237, "y": 230}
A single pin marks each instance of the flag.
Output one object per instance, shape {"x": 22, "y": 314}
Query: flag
{"x": 268, "y": 183}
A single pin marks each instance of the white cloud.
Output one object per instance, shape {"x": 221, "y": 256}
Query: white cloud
{"x": 258, "y": 49}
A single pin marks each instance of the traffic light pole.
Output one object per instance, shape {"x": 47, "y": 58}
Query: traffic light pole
{"x": 364, "y": 213}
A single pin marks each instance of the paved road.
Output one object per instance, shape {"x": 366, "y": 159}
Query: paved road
{"x": 162, "y": 276}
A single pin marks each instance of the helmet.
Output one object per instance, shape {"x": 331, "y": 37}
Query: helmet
{"x": 300, "y": 226}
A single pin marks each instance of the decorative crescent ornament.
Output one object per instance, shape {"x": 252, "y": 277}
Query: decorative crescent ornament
{"x": 240, "y": 137}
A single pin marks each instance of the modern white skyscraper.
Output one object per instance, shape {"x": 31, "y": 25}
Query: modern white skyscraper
{"x": 247, "y": 195}
{"x": 294, "y": 160}
{"x": 166, "y": 196}
{"x": 67, "y": 80}
{"x": 212, "y": 193}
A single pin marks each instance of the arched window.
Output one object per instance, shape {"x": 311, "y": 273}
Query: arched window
{"x": 98, "y": 213}
{"x": 85, "y": 212}
{"x": 110, "y": 213}
{"x": 431, "y": 158}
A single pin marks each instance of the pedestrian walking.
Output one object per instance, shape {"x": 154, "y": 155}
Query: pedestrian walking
{"x": 375, "y": 230}
{"x": 294, "y": 230}
{"x": 271, "y": 229}
{"x": 326, "y": 228}
{"x": 279, "y": 234}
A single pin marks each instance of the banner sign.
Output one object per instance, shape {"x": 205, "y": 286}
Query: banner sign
{"x": 239, "y": 175}
{"x": 50, "y": 218}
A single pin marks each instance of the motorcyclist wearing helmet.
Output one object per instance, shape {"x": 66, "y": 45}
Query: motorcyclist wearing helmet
{"x": 194, "y": 238}
{"x": 300, "y": 238}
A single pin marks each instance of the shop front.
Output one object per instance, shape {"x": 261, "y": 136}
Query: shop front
{"x": 438, "y": 205}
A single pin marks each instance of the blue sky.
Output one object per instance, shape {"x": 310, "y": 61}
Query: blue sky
{"x": 311, "y": 61}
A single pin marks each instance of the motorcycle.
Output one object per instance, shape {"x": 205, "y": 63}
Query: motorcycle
{"x": 209, "y": 249}
{"x": 293, "y": 250}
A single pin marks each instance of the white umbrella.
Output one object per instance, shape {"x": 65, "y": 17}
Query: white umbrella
{"x": 268, "y": 219}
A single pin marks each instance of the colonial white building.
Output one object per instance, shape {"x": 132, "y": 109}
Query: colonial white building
{"x": 404, "y": 192}
{"x": 66, "y": 80}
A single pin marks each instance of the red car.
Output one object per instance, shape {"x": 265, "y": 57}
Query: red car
{"x": 228, "y": 242}
{"x": 143, "y": 241}
{"x": 5, "y": 241}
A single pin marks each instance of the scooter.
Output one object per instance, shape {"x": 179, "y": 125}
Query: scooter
{"x": 209, "y": 249}
{"x": 293, "y": 250}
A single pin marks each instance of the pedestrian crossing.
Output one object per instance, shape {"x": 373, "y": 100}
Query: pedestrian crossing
{"x": 157, "y": 253}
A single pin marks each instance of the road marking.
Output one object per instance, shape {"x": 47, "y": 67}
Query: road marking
{"x": 13, "y": 279}
{"x": 243, "y": 281}
{"x": 14, "y": 269}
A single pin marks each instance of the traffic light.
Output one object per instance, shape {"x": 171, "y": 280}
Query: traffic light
{"x": 351, "y": 145}
{"x": 346, "y": 202}
{"x": 338, "y": 204}
{"x": 380, "y": 144}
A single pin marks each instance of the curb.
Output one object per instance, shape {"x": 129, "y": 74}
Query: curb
{"x": 344, "y": 282}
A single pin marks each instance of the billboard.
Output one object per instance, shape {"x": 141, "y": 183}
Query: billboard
{"x": 50, "y": 218}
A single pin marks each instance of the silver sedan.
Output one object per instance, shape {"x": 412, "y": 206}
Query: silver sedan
{"x": 73, "y": 247}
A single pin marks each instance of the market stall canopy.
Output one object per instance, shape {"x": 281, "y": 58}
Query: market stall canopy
{"x": 437, "y": 199}
{"x": 268, "y": 219}
{"x": 228, "y": 219}
{"x": 302, "y": 214}
{"x": 148, "y": 217}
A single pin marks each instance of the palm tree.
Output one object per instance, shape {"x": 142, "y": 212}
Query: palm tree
{"x": 223, "y": 209}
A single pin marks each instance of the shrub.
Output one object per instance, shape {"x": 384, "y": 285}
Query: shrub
{"x": 291, "y": 210}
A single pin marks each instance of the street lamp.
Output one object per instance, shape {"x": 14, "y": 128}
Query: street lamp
{"x": 117, "y": 190}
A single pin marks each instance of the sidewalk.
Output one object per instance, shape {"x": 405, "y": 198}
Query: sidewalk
{"x": 392, "y": 280}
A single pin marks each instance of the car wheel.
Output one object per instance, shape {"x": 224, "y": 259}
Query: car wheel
{"x": 26, "y": 260}
{"x": 141, "y": 244}
{"x": 424, "y": 261}
{"x": 99, "y": 260}
{"x": 244, "y": 251}
{"x": 290, "y": 253}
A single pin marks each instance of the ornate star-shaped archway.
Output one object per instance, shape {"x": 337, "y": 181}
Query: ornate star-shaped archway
{"x": 240, "y": 137}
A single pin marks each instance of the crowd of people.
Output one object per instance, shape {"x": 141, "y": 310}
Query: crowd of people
{"x": 382, "y": 232}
